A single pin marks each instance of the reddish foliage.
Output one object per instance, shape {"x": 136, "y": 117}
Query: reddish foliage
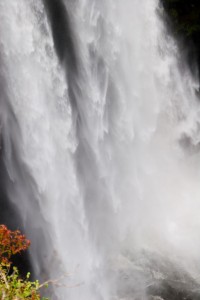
{"x": 11, "y": 242}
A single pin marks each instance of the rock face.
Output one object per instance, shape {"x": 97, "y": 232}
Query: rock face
{"x": 9, "y": 215}
{"x": 185, "y": 21}
{"x": 152, "y": 277}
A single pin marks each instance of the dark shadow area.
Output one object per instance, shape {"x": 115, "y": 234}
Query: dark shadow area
{"x": 184, "y": 21}
{"x": 61, "y": 30}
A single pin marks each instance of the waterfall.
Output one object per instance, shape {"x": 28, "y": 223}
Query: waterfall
{"x": 100, "y": 139}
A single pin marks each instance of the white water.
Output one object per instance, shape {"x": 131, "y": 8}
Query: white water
{"x": 127, "y": 178}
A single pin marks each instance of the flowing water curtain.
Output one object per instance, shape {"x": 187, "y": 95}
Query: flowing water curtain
{"x": 105, "y": 132}
{"x": 150, "y": 107}
{"x": 37, "y": 94}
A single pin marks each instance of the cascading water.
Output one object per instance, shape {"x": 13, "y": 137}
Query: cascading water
{"x": 100, "y": 135}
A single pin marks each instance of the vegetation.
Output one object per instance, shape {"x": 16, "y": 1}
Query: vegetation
{"x": 12, "y": 286}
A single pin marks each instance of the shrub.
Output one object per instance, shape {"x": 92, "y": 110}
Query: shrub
{"x": 12, "y": 286}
